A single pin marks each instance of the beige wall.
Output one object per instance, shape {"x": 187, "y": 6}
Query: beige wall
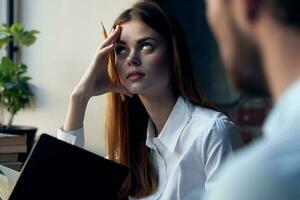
{"x": 70, "y": 33}
{"x": 2, "y": 11}
{"x": 2, "y": 19}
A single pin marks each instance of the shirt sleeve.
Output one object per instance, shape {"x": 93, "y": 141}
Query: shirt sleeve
{"x": 75, "y": 137}
{"x": 9, "y": 175}
{"x": 216, "y": 148}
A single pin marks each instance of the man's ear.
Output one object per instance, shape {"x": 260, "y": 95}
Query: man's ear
{"x": 252, "y": 9}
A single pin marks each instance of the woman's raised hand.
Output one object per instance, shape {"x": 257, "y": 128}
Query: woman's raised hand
{"x": 96, "y": 80}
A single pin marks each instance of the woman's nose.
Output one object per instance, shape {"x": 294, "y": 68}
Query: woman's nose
{"x": 133, "y": 59}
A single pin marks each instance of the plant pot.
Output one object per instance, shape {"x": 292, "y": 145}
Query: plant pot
{"x": 21, "y": 130}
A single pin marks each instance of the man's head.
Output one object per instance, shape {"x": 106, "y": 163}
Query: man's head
{"x": 235, "y": 24}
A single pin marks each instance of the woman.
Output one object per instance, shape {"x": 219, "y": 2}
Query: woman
{"x": 158, "y": 121}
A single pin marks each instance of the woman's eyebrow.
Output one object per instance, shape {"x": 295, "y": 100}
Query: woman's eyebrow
{"x": 144, "y": 39}
{"x": 138, "y": 41}
{"x": 121, "y": 42}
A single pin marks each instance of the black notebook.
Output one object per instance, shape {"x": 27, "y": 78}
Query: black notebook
{"x": 57, "y": 170}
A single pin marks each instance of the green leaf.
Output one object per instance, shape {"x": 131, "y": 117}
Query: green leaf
{"x": 2, "y": 88}
{"x": 4, "y": 41}
{"x": 21, "y": 69}
{"x": 4, "y": 34}
{"x": 6, "y": 62}
{"x": 17, "y": 28}
{"x": 27, "y": 39}
{"x": 6, "y": 100}
{"x": 4, "y": 29}
{"x": 33, "y": 32}
{"x": 7, "y": 67}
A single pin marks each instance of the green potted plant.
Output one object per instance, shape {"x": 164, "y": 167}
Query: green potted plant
{"x": 15, "y": 90}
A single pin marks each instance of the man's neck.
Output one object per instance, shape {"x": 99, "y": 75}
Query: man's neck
{"x": 280, "y": 48}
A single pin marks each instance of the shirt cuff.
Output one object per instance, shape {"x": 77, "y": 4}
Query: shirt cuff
{"x": 72, "y": 137}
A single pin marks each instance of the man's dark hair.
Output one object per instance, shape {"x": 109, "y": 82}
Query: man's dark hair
{"x": 287, "y": 11}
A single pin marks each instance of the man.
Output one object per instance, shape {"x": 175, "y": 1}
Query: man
{"x": 260, "y": 46}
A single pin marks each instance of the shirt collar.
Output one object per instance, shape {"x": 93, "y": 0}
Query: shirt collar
{"x": 174, "y": 126}
{"x": 284, "y": 117}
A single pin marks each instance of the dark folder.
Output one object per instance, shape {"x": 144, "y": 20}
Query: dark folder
{"x": 57, "y": 170}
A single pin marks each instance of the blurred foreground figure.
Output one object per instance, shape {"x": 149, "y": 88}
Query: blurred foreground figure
{"x": 260, "y": 45}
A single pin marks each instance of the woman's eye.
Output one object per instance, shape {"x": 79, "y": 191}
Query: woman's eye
{"x": 121, "y": 50}
{"x": 147, "y": 46}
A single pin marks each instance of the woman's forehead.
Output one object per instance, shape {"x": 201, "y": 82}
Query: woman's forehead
{"x": 136, "y": 30}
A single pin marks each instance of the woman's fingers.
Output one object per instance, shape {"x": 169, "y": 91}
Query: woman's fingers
{"x": 106, "y": 50}
{"x": 111, "y": 38}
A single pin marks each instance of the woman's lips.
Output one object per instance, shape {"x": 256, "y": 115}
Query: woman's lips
{"x": 135, "y": 76}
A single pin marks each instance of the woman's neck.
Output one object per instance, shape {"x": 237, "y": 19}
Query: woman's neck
{"x": 159, "y": 108}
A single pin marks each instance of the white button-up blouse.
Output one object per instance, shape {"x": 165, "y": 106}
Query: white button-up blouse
{"x": 187, "y": 153}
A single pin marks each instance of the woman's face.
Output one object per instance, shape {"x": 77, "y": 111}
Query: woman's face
{"x": 143, "y": 60}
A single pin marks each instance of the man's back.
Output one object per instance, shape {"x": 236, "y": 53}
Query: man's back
{"x": 270, "y": 168}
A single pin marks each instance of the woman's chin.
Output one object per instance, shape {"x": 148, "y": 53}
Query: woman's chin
{"x": 136, "y": 90}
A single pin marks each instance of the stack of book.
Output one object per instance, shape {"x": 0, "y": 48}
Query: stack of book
{"x": 11, "y": 146}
